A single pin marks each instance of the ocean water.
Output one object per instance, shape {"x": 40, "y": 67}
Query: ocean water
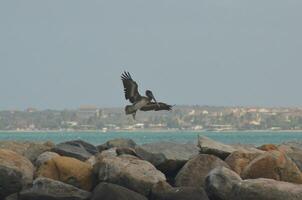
{"x": 245, "y": 137}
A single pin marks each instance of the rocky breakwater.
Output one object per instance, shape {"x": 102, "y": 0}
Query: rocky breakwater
{"x": 16, "y": 172}
{"x": 122, "y": 170}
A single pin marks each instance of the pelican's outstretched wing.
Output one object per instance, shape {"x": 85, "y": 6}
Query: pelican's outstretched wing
{"x": 130, "y": 87}
{"x": 156, "y": 107}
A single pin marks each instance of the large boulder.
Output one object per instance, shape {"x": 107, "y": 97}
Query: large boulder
{"x": 108, "y": 153}
{"x": 181, "y": 193}
{"x": 14, "y": 196}
{"x": 128, "y": 171}
{"x": 77, "y": 149}
{"x": 30, "y": 150}
{"x": 125, "y": 150}
{"x": 220, "y": 182}
{"x": 91, "y": 161}
{"x": 10, "y": 181}
{"x": 294, "y": 153}
{"x": 117, "y": 143}
{"x": 16, "y": 172}
{"x": 172, "y": 151}
{"x": 297, "y": 158}
{"x": 238, "y": 160}
{"x": 161, "y": 186}
{"x": 35, "y": 149}
{"x": 19, "y": 147}
{"x": 87, "y": 146}
{"x": 268, "y": 147}
{"x": 108, "y": 191}
{"x": 209, "y": 146}
{"x": 68, "y": 170}
{"x": 285, "y": 148}
{"x": 168, "y": 157}
{"x": 195, "y": 170}
{"x": 155, "y": 158}
{"x": 266, "y": 189}
{"x": 42, "y": 158}
{"x": 105, "y": 153}
{"x": 274, "y": 165}
{"x": 48, "y": 189}
{"x": 224, "y": 184}
{"x": 294, "y": 144}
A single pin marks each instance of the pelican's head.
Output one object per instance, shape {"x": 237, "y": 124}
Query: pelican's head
{"x": 150, "y": 95}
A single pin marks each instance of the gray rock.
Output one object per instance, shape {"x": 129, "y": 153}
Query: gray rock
{"x": 209, "y": 146}
{"x": 294, "y": 153}
{"x": 194, "y": 172}
{"x": 31, "y": 150}
{"x": 17, "y": 146}
{"x": 118, "y": 143}
{"x": 91, "y": 161}
{"x": 35, "y": 149}
{"x": 48, "y": 189}
{"x": 108, "y": 191}
{"x": 44, "y": 157}
{"x": 297, "y": 158}
{"x": 87, "y": 146}
{"x": 274, "y": 165}
{"x": 266, "y": 189}
{"x": 168, "y": 157}
{"x": 219, "y": 183}
{"x": 224, "y": 184}
{"x": 108, "y": 153}
{"x": 10, "y": 181}
{"x": 125, "y": 150}
{"x": 293, "y": 144}
{"x": 181, "y": 193}
{"x": 72, "y": 149}
{"x": 155, "y": 158}
{"x": 172, "y": 151}
{"x": 238, "y": 160}
{"x": 161, "y": 186}
{"x": 14, "y": 196}
{"x": 102, "y": 147}
{"x": 16, "y": 172}
{"x": 286, "y": 149}
{"x": 128, "y": 171}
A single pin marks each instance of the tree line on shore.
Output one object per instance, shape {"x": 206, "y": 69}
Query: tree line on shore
{"x": 181, "y": 117}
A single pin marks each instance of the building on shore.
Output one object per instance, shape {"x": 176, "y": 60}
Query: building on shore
{"x": 87, "y": 111}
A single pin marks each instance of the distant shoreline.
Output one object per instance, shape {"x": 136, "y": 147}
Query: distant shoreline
{"x": 145, "y": 130}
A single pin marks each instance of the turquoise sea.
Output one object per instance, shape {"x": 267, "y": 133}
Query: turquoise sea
{"x": 96, "y": 138}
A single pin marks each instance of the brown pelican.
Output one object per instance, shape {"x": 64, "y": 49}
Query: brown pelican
{"x": 143, "y": 103}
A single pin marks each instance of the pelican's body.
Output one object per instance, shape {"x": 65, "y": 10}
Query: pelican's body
{"x": 142, "y": 102}
{"x": 139, "y": 102}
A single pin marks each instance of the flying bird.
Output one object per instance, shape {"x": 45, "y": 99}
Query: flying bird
{"x": 143, "y": 103}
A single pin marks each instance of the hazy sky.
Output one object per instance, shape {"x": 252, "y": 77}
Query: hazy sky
{"x": 62, "y": 54}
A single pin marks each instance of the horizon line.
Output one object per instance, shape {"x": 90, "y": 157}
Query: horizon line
{"x": 180, "y": 105}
